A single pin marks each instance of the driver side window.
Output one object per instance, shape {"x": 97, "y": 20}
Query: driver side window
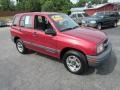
{"x": 41, "y": 23}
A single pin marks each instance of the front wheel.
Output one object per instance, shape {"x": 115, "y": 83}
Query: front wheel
{"x": 115, "y": 24}
{"x": 75, "y": 62}
{"x": 99, "y": 26}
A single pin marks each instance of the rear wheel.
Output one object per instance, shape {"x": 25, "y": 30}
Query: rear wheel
{"x": 75, "y": 62}
{"x": 20, "y": 47}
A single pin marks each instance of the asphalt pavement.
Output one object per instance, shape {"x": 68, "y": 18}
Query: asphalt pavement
{"x": 35, "y": 71}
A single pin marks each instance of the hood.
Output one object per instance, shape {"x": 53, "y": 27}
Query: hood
{"x": 88, "y": 34}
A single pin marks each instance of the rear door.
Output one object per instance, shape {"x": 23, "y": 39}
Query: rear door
{"x": 26, "y": 29}
{"x": 15, "y": 25}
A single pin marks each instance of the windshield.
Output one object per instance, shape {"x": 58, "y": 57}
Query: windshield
{"x": 63, "y": 22}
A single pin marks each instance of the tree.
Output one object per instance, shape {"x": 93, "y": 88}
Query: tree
{"x": 37, "y": 5}
{"x": 57, "y": 5}
{"x": 48, "y": 6}
{"x": 6, "y": 5}
{"x": 29, "y": 5}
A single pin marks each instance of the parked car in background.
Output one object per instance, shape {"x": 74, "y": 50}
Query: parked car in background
{"x": 2, "y": 23}
{"x": 57, "y": 35}
{"x": 78, "y": 16}
{"x": 110, "y": 13}
{"x": 101, "y": 19}
{"x": 9, "y": 23}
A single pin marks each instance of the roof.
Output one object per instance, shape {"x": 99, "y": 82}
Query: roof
{"x": 78, "y": 9}
{"x": 44, "y": 13}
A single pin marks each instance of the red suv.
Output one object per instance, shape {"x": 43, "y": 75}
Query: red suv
{"x": 57, "y": 35}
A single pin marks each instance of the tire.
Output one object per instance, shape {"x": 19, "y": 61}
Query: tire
{"x": 99, "y": 26}
{"x": 20, "y": 47}
{"x": 115, "y": 24}
{"x": 75, "y": 62}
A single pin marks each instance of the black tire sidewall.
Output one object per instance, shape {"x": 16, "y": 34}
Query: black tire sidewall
{"x": 82, "y": 59}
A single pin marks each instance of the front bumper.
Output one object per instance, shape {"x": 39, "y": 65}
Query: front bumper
{"x": 90, "y": 24}
{"x": 99, "y": 59}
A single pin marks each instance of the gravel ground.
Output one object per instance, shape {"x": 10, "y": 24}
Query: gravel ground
{"x": 38, "y": 72}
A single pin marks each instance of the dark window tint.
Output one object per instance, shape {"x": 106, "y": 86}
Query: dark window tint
{"x": 41, "y": 23}
{"x": 26, "y": 21}
{"x": 15, "y": 20}
{"x": 73, "y": 16}
{"x": 85, "y": 15}
{"x": 79, "y": 15}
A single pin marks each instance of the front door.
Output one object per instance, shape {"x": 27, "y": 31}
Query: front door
{"x": 42, "y": 42}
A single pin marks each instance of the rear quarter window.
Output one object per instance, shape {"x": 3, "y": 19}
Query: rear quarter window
{"x": 15, "y": 21}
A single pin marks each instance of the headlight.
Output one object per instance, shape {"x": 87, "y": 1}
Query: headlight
{"x": 100, "y": 48}
{"x": 93, "y": 22}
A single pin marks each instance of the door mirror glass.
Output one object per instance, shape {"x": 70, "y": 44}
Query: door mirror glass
{"x": 50, "y": 32}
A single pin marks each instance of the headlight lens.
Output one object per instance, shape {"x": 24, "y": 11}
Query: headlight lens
{"x": 93, "y": 22}
{"x": 100, "y": 48}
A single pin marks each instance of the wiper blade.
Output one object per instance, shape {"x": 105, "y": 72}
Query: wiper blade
{"x": 69, "y": 28}
{"x": 75, "y": 27}
{"x": 66, "y": 29}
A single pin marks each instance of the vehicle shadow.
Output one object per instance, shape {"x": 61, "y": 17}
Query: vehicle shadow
{"x": 106, "y": 68}
{"x": 110, "y": 27}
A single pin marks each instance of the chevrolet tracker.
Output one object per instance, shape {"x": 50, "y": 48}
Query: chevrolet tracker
{"x": 57, "y": 35}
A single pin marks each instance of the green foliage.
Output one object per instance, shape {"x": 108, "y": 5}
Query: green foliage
{"x": 57, "y": 5}
{"x": 6, "y": 5}
{"x": 81, "y": 3}
{"x": 99, "y": 1}
{"x": 44, "y": 5}
{"x": 29, "y": 5}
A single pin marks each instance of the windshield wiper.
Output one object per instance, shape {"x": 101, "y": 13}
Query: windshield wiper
{"x": 69, "y": 28}
{"x": 66, "y": 29}
{"x": 75, "y": 27}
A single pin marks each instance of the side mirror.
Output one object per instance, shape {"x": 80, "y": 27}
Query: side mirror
{"x": 50, "y": 32}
